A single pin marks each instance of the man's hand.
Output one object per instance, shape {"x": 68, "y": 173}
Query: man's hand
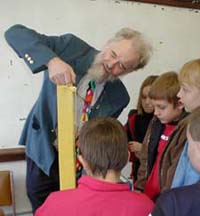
{"x": 60, "y": 72}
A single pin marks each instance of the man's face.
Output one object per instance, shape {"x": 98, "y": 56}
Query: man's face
{"x": 193, "y": 151}
{"x": 117, "y": 58}
{"x": 166, "y": 112}
{"x": 189, "y": 96}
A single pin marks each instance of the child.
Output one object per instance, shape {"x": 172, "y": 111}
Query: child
{"x": 184, "y": 200}
{"x": 138, "y": 121}
{"x": 189, "y": 95}
{"x": 168, "y": 111}
{"x": 103, "y": 154}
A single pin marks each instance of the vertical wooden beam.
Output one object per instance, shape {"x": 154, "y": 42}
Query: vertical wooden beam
{"x": 66, "y": 137}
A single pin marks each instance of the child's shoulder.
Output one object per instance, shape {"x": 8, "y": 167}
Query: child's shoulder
{"x": 132, "y": 112}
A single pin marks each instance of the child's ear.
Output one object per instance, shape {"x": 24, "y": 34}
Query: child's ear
{"x": 84, "y": 164}
{"x": 80, "y": 158}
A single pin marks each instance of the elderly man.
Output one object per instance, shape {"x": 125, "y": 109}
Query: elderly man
{"x": 68, "y": 59}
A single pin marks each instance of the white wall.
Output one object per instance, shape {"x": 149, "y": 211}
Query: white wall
{"x": 174, "y": 33}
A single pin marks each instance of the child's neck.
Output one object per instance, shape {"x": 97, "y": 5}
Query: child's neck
{"x": 177, "y": 118}
{"x": 111, "y": 176}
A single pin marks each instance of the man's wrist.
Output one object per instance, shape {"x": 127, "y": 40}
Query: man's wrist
{"x": 52, "y": 60}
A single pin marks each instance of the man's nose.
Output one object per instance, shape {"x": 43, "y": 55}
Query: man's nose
{"x": 112, "y": 62}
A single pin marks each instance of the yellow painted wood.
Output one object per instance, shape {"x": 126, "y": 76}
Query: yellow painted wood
{"x": 66, "y": 137}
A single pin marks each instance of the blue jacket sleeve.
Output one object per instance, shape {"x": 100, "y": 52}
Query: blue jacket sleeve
{"x": 36, "y": 49}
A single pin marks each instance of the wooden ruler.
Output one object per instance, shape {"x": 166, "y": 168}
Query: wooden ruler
{"x": 66, "y": 136}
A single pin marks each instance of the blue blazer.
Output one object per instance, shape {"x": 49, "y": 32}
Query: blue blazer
{"x": 36, "y": 50}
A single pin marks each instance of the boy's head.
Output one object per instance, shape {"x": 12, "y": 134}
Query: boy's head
{"x": 163, "y": 93}
{"x": 103, "y": 146}
{"x": 193, "y": 136}
{"x": 189, "y": 78}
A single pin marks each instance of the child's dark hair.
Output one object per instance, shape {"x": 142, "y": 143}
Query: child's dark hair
{"x": 103, "y": 144}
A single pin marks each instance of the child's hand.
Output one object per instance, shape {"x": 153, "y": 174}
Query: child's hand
{"x": 135, "y": 146}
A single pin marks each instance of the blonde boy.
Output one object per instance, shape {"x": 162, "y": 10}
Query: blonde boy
{"x": 189, "y": 95}
{"x": 168, "y": 112}
{"x": 184, "y": 200}
{"x": 189, "y": 78}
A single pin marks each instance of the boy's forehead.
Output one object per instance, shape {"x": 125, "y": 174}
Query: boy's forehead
{"x": 190, "y": 87}
{"x": 160, "y": 102}
{"x": 185, "y": 84}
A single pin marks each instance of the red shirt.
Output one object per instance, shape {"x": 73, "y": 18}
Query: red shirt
{"x": 95, "y": 197}
{"x": 152, "y": 186}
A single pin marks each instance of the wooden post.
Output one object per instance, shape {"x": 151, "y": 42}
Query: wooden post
{"x": 66, "y": 136}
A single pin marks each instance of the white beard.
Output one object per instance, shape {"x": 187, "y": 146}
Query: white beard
{"x": 96, "y": 73}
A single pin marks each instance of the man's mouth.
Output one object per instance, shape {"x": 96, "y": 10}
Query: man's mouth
{"x": 107, "y": 69}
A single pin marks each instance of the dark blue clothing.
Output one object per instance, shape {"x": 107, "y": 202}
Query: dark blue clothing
{"x": 38, "y": 184}
{"x": 183, "y": 201}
